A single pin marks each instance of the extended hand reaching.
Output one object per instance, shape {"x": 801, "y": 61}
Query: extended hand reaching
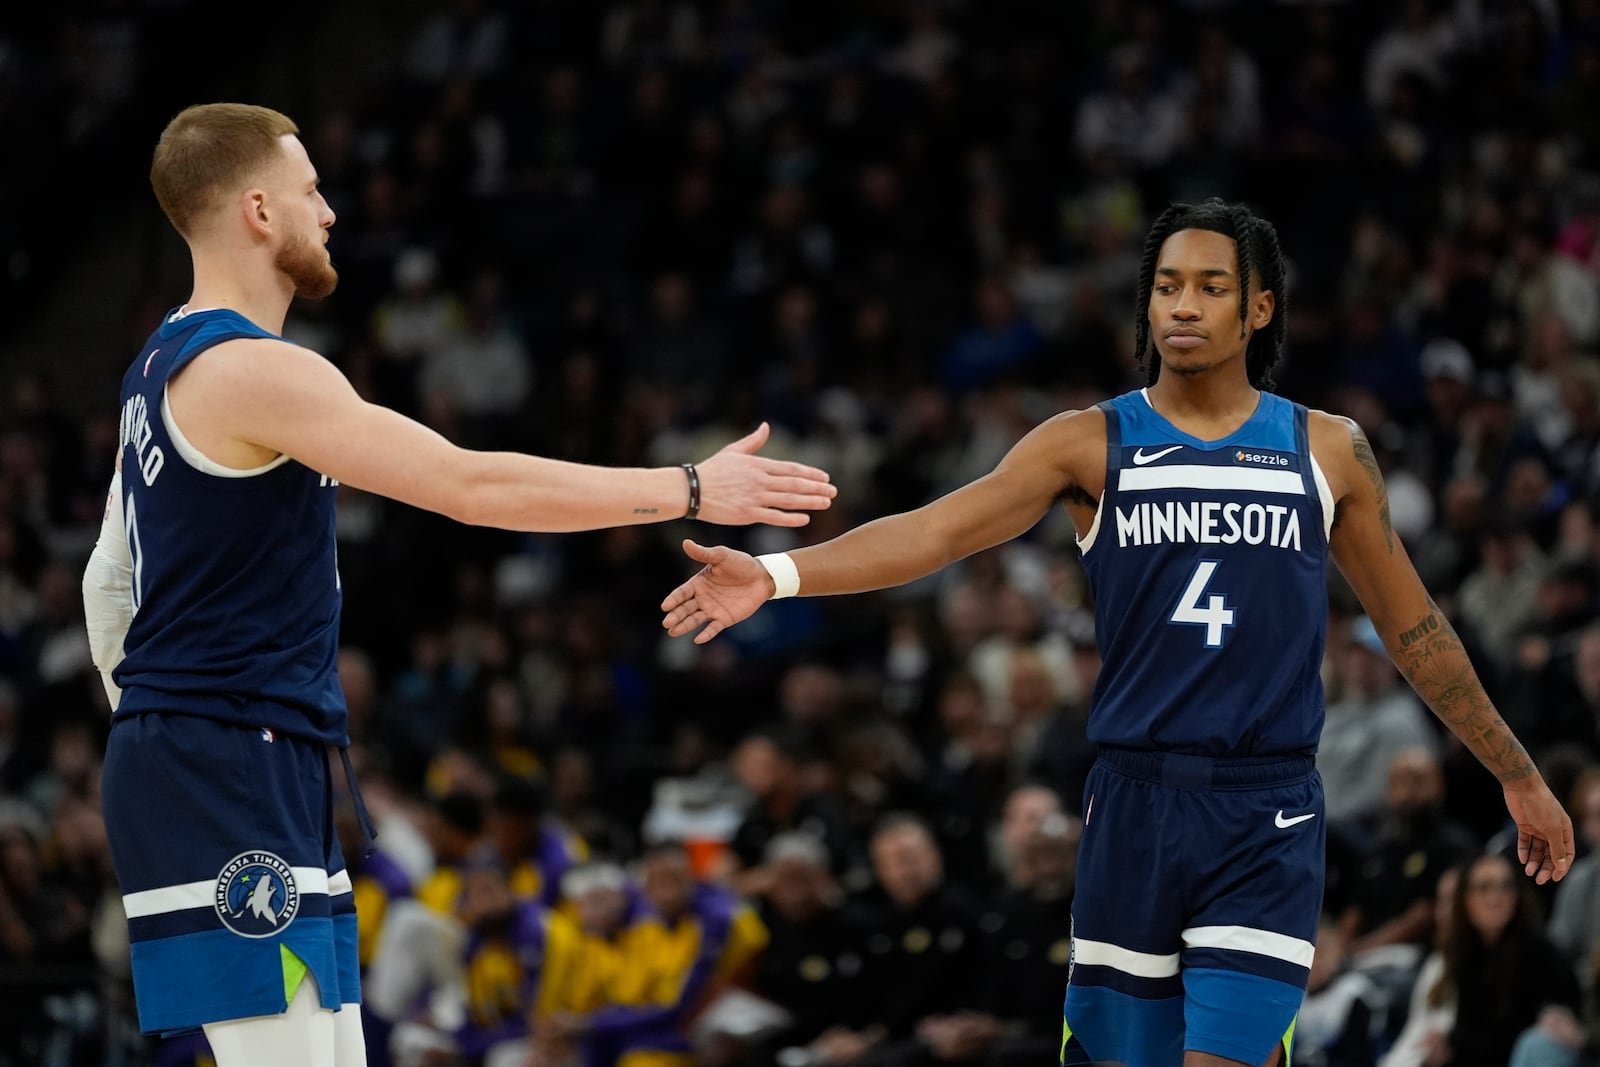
{"x": 728, "y": 589}
{"x": 738, "y": 487}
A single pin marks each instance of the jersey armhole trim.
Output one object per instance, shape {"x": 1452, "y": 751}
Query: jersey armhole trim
{"x": 199, "y": 460}
{"x": 1324, "y": 496}
{"x": 1086, "y": 542}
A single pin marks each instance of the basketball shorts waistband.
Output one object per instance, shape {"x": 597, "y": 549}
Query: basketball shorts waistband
{"x": 1179, "y": 770}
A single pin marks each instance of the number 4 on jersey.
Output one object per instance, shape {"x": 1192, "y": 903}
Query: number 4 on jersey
{"x": 1216, "y": 616}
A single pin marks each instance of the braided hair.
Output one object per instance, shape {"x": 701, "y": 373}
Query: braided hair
{"x": 1259, "y": 253}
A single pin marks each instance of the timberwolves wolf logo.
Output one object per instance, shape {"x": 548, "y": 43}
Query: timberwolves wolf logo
{"x": 256, "y": 894}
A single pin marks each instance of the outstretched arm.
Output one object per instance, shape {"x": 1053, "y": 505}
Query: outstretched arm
{"x": 1425, "y": 646}
{"x": 285, "y": 399}
{"x": 896, "y": 549}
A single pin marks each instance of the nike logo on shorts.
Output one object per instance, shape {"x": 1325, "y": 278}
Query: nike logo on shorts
{"x": 1140, "y": 459}
{"x": 1284, "y": 824}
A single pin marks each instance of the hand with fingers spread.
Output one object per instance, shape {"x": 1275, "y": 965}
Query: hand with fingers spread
{"x": 738, "y": 487}
{"x": 1544, "y": 830}
{"x": 728, "y": 589}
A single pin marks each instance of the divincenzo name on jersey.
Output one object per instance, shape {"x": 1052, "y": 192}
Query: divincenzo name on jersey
{"x": 135, "y": 430}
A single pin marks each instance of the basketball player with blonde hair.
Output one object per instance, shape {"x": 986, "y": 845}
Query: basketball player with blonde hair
{"x": 213, "y": 598}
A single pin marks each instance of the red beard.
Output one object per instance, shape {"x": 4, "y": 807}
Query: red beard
{"x": 308, "y": 267}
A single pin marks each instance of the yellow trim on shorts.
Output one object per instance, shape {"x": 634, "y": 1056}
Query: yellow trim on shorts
{"x": 294, "y": 972}
{"x": 1288, "y": 1040}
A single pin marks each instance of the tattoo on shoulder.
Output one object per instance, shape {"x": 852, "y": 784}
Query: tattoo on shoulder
{"x": 1369, "y": 463}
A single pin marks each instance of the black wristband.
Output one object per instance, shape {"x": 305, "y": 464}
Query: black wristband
{"x": 694, "y": 491}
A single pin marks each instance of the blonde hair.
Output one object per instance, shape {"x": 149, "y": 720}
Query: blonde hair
{"x": 207, "y": 150}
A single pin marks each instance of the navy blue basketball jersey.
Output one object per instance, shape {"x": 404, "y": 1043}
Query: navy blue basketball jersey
{"x": 1208, "y": 564}
{"x": 235, "y": 581}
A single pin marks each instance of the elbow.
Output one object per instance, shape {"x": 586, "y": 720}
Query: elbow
{"x": 467, "y": 504}
{"x": 944, "y": 544}
{"x": 466, "y": 494}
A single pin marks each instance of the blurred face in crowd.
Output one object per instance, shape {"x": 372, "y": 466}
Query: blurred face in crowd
{"x": 486, "y": 900}
{"x": 1491, "y": 896}
{"x": 73, "y": 755}
{"x": 961, "y": 707}
{"x": 1416, "y": 784}
{"x": 761, "y": 768}
{"x": 1018, "y": 618}
{"x": 448, "y": 842}
{"x": 1025, "y": 811}
{"x": 601, "y": 910}
{"x": 1365, "y": 673}
{"x": 572, "y": 780}
{"x": 19, "y": 862}
{"x": 1586, "y": 811}
{"x": 1586, "y": 665}
{"x": 667, "y": 883}
{"x": 1032, "y": 690}
{"x": 514, "y": 833}
{"x": 1050, "y": 857}
{"x": 907, "y": 863}
{"x": 800, "y": 888}
{"x": 810, "y": 694}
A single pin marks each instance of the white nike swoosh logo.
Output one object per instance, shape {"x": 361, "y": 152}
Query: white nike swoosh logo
{"x": 1140, "y": 459}
{"x": 1284, "y": 824}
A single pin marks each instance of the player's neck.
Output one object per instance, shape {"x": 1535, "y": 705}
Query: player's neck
{"x": 1217, "y": 401}
{"x": 255, "y": 289}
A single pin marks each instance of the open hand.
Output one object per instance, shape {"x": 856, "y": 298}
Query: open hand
{"x": 1544, "y": 831}
{"x": 728, "y": 589}
{"x": 738, "y": 487}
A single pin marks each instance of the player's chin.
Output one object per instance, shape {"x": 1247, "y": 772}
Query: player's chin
{"x": 319, "y": 285}
{"x": 1188, "y": 361}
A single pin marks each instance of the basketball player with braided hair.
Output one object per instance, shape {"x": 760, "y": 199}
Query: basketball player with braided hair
{"x": 1206, "y": 509}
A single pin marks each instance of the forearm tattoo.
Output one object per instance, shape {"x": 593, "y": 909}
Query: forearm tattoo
{"x": 1433, "y": 660}
{"x": 1369, "y": 463}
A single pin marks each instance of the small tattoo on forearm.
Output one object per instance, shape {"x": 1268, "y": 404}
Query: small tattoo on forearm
{"x": 1426, "y": 626}
{"x": 645, "y": 511}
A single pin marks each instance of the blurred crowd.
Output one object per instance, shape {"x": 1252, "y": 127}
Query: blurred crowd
{"x": 903, "y": 232}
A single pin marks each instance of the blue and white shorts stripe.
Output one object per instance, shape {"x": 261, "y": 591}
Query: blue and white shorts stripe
{"x": 1199, "y": 890}
{"x": 223, "y": 842}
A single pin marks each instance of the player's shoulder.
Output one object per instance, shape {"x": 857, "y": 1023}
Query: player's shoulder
{"x": 1076, "y": 425}
{"x": 260, "y": 362}
{"x": 1332, "y": 436}
{"x": 1342, "y": 450}
{"x": 1317, "y": 419}
{"x": 1069, "y": 440}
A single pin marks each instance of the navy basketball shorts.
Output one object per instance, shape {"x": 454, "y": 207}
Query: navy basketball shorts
{"x": 1195, "y": 918}
{"x": 234, "y": 885}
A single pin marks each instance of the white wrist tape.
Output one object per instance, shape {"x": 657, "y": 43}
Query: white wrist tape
{"x": 785, "y": 575}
